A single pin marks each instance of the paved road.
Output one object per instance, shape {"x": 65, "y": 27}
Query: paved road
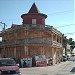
{"x": 64, "y": 68}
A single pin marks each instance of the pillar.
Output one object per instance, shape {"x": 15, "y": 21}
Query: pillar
{"x": 42, "y": 50}
{"x": 24, "y": 50}
{"x": 15, "y": 52}
{"x": 53, "y": 55}
{"x": 42, "y": 42}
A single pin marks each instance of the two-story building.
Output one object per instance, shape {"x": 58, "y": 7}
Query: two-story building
{"x": 32, "y": 38}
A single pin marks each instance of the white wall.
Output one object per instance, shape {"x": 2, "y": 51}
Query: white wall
{"x": 74, "y": 50}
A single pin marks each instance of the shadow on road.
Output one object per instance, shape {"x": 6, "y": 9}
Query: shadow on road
{"x": 73, "y": 70}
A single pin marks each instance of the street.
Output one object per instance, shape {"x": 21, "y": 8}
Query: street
{"x": 64, "y": 68}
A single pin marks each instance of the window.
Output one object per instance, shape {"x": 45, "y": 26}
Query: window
{"x": 7, "y": 62}
{"x": 33, "y": 21}
{"x": 57, "y": 39}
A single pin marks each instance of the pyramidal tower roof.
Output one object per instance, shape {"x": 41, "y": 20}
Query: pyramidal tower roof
{"x": 34, "y": 9}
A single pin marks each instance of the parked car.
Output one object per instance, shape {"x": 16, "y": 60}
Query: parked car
{"x": 64, "y": 58}
{"x": 73, "y": 54}
{"x": 68, "y": 57}
{"x": 8, "y": 67}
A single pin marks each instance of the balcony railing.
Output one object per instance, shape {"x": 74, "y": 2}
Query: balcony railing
{"x": 30, "y": 41}
{"x": 56, "y": 44}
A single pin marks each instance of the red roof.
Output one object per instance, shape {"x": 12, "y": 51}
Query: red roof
{"x": 34, "y": 9}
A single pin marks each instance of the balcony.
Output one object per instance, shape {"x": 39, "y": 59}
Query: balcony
{"x": 27, "y": 42}
{"x": 32, "y": 42}
{"x": 34, "y": 27}
{"x": 56, "y": 44}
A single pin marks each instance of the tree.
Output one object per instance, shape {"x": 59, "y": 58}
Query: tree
{"x": 69, "y": 41}
{"x": 64, "y": 43}
{"x": 72, "y": 43}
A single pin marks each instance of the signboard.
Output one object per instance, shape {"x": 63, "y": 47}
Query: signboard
{"x": 26, "y": 61}
{"x": 41, "y": 60}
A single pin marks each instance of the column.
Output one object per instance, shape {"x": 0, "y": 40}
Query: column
{"x": 27, "y": 50}
{"x": 42, "y": 50}
{"x": 52, "y": 37}
{"x": 56, "y": 56}
{"x": 24, "y": 50}
{"x": 42, "y": 42}
{"x": 27, "y": 41}
{"x": 53, "y": 54}
{"x": 61, "y": 40}
{"x": 56, "y": 38}
{"x": 15, "y": 40}
{"x": 15, "y": 52}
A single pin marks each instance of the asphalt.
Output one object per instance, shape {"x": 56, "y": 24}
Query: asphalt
{"x": 64, "y": 68}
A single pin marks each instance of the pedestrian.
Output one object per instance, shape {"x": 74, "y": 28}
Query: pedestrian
{"x": 24, "y": 64}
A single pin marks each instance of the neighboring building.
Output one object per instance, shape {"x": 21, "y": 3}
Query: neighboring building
{"x": 32, "y": 38}
{"x": 73, "y": 52}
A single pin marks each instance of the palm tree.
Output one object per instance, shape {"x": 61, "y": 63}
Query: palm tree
{"x": 64, "y": 43}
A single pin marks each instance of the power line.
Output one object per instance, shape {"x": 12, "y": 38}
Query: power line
{"x": 65, "y": 25}
{"x": 68, "y": 11}
{"x": 69, "y": 33}
{"x": 72, "y": 33}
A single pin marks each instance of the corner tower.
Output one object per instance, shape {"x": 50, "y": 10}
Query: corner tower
{"x": 34, "y": 16}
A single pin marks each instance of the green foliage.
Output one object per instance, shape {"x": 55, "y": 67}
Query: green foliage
{"x": 69, "y": 41}
{"x": 64, "y": 40}
{"x": 64, "y": 43}
{"x": 72, "y": 43}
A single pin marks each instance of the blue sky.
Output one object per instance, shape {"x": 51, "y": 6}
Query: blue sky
{"x": 60, "y": 13}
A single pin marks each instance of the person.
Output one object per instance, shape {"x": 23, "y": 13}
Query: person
{"x": 24, "y": 64}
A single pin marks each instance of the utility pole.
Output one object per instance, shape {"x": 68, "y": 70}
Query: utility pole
{"x": 3, "y": 38}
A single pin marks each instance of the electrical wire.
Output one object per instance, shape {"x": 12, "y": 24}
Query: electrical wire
{"x": 65, "y": 25}
{"x": 68, "y": 11}
{"x": 70, "y": 33}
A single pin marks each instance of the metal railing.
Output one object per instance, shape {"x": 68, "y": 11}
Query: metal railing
{"x": 28, "y": 41}
{"x": 31, "y": 41}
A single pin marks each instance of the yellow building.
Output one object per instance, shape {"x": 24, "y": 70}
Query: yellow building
{"x": 32, "y": 38}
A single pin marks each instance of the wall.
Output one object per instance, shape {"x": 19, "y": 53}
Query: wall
{"x": 27, "y": 19}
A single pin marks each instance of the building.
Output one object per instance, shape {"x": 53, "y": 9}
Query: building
{"x": 32, "y": 38}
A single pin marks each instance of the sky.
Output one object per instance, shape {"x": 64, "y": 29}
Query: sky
{"x": 60, "y": 13}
